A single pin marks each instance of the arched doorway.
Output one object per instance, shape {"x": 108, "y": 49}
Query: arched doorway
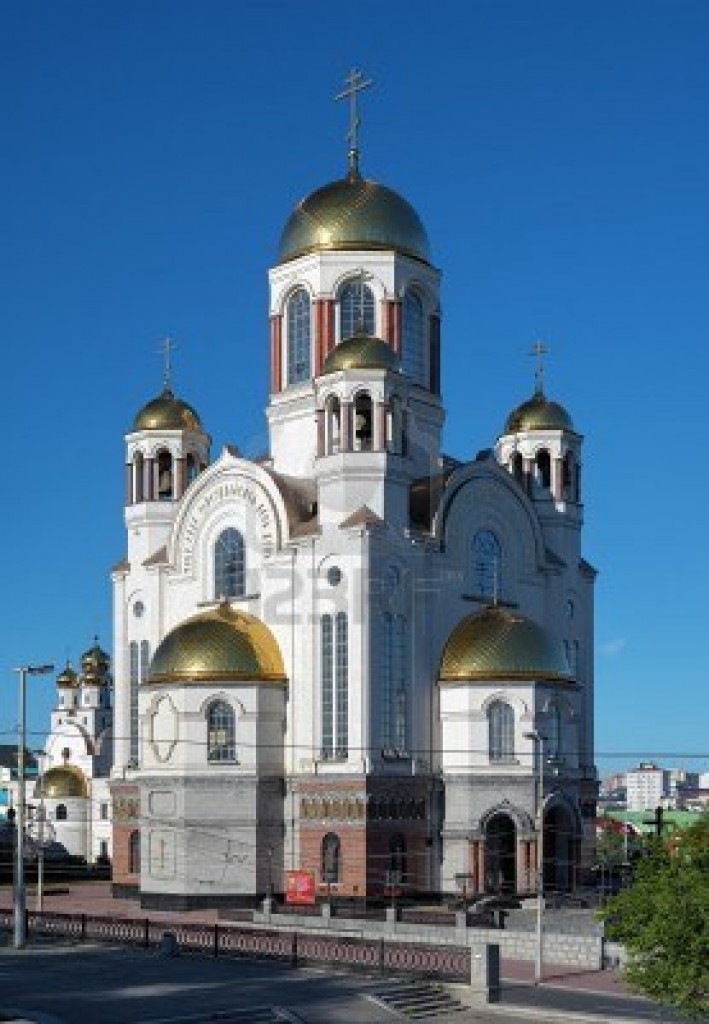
{"x": 500, "y": 854}
{"x": 559, "y": 849}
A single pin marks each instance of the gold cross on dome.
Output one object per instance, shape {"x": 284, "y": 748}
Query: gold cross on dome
{"x": 167, "y": 347}
{"x": 539, "y": 350}
{"x": 356, "y": 83}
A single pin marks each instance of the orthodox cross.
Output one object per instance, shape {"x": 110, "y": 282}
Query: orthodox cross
{"x": 167, "y": 347}
{"x": 539, "y": 350}
{"x": 356, "y": 83}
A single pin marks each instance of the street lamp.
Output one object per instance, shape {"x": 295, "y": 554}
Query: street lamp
{"x": 538, "y": 740}
{"x": 20, "y": 902}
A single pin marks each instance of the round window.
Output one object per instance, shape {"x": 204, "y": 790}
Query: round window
{"x": 334, "y": 575}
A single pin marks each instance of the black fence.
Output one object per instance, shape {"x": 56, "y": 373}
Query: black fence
{"x": 384, "y": 956}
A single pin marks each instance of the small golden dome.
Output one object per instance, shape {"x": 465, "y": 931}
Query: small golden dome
{"x": 64, "y": 781}
{"x": 221, "y": 644}
{"x": 166, "y": 412}
{"x": 353, "y": 213}
{"x": 362, "y": 352}
{"x": 538, "y": 414}
{"x": 68, "y": 677}
{"x": 95, "y": 660}
{"x": 498, "y": 644}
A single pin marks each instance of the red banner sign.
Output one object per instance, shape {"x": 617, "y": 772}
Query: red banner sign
{"x": 300, "y": 887}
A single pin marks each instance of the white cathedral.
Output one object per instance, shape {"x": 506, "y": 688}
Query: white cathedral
{"x": 340, "y": 658}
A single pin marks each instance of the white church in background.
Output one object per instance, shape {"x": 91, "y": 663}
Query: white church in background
{"x": 339, "y": 658}
{"x": 70, "y": 805}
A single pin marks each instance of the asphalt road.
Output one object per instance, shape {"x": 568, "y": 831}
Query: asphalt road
{"x": 80, "y": 985}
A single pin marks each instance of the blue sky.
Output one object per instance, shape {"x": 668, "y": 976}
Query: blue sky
{"x": 558, "y": 154}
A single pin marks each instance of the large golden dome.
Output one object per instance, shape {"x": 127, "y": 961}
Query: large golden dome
{"x": 361, "y": 352}
{"x": 498, "y": 644}
{"x": 166, "y": 412}
{"x": 538, "y": 413}
{"x": 354, "y": 213}
{"x": 63, "y": 782}
{"x": 221, "y": 644}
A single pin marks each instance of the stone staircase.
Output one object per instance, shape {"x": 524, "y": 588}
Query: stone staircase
{"x": 417, "y": 1000}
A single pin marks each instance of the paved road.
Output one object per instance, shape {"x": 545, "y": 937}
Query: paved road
{"x": 81, "y": 985}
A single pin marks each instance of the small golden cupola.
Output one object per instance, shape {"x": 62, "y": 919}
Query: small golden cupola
{"x": 65, "y": 782}
{"x": 167, "y": 445}
{"x": 541, "y": 447}
{"x": 222, "y": 645}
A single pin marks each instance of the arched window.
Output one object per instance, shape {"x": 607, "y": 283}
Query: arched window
{"x": 164, "y": 471}
{"x": 543, "y": 463}
{"x": 356, "y": 301}
{"x": 298, "y": 327}
{"x": 134, "y": 671}
{"x": 61, "y": 812}
{"x": 395, "y": 711}
{"x": 327, "y": 695}
{"x": 413, "y": 356}
{"x": 397, "y": 860}
{"x": 363, "y": 420}
{"x": 341, "y": 686}
{"x": 395, "y": 433}
{"x": 191, "y": 468}
{"x": 221, "y": 729}
{"x": 330, "y": 859}
{"x": 229, "y": 565}
{"x": 334, "y": 690}
{"x": 486, "y": 563}
{"x": 332, "y": 425}
{"x": 553, "y": 731}
{"x": 138, "y": 477}
{"x": 501, "y": 731}
{"x": 134, "y": 853}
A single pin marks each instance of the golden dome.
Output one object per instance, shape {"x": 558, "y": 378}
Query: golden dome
{"x": 64, "y": 781}
{"x": 353, "y": 213}
{"x": 500, "y": 644}
{"x": 68, "y": 677}
{"x": 538, "y": 414}
{"x": 95, "y": 659}
{"x": 221, "y": 644}
{"x": 166, "y": 412}
{"x": 362, "y": 352}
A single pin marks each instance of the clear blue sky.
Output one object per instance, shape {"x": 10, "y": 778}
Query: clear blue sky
{"x": 558, "y": 153}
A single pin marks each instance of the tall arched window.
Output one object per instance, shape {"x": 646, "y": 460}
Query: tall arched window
{"x": 134, "y": 853}
{"x": 543, "y": 463}
{"x": 164, "y": 471}
{"x": 486, "y": 563}
{"x": 356, "y": 302}
{"x": 553, "y": 731}
{"x": 334, "y": 690}
{"x": 330, "y": 859}
{"x": 501, "y": 731}
{"x": 61, "y": 813}
{"x": 134, "y": 684}
{"x": 229, "y": 564}
{"x": 332, "y": 425}
{"x": 363, "y": 423}
{"x": 298, "y": 328}
{"x": 138, "y": 477}
{"x": 413, "y": 355}
{"x": 397, "y": 859}
{"x": 395, "y": 712}
{"x": 221, "y": 732}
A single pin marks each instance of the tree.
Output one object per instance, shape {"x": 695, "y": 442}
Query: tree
{"x": 662, "y": 920}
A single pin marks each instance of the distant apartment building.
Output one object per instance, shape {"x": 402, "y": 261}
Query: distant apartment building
{"x": 647, "y": 787}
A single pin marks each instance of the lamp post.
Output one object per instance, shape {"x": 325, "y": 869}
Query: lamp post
{"x": 20, "y": 902}
{"x": 41, "y": 813}
{"x": 538, "y": 740}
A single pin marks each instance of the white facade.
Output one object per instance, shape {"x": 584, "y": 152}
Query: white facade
{"x": 361, "y": 547}
{"x": 647, "y": 786}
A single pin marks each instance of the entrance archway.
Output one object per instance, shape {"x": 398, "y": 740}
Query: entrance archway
{"x": 500, "y": 854}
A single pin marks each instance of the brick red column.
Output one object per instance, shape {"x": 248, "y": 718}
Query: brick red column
{"x": 324, "y": 331}
{"x": 180, "y": 477}
{"x": 320, "y": 420}
{"x": 392, "y": 323}
{"x": 434, "y": 336}
{"x": 276, "y": 324}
